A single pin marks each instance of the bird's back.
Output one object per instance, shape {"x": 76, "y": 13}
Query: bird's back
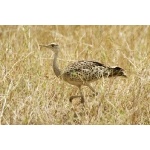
{"x": 81, "y": 72}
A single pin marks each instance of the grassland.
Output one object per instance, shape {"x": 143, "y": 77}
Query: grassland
{"x": 30, "y": 93}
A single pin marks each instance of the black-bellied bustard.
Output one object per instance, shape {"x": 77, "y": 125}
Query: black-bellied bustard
{"x": 82, "y": 73}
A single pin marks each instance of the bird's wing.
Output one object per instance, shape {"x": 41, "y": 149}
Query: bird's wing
{"x": 84, "y": 70}
{"x": 86, "y": 65}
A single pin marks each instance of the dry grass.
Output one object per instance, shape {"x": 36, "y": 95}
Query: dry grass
{"x": 31, "y": 94}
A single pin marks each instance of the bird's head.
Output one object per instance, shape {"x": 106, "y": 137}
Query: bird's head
{"x": 53, "y": 46}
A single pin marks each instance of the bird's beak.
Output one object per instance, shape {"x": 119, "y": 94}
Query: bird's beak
{"x": 43, "y": 45}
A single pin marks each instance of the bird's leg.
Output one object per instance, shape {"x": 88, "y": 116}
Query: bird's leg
{"x": 72, "y": 97}
{"x": 81, "y": 94}
{"x": 95, "y": 93}
{"x": 76, "y": 96}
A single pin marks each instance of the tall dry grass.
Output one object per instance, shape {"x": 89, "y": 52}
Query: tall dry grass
{"x": 30, "y": 93}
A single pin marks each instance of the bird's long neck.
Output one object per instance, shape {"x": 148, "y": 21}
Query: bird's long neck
{"x": 55, "y": 66}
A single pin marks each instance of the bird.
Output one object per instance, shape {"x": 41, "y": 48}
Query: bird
{"x": 82, "y": 73}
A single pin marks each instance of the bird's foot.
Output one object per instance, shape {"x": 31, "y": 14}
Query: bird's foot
{"x": 72, "y": 97}
{"x": 94, "y": 94}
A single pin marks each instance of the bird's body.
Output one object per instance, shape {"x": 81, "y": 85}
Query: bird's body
{"x": 82, "y": 72}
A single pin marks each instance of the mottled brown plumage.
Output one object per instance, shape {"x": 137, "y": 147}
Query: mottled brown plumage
{"x": 82, "y": 73}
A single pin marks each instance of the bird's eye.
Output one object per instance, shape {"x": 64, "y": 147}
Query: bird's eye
{"x": 52, "y": 45}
